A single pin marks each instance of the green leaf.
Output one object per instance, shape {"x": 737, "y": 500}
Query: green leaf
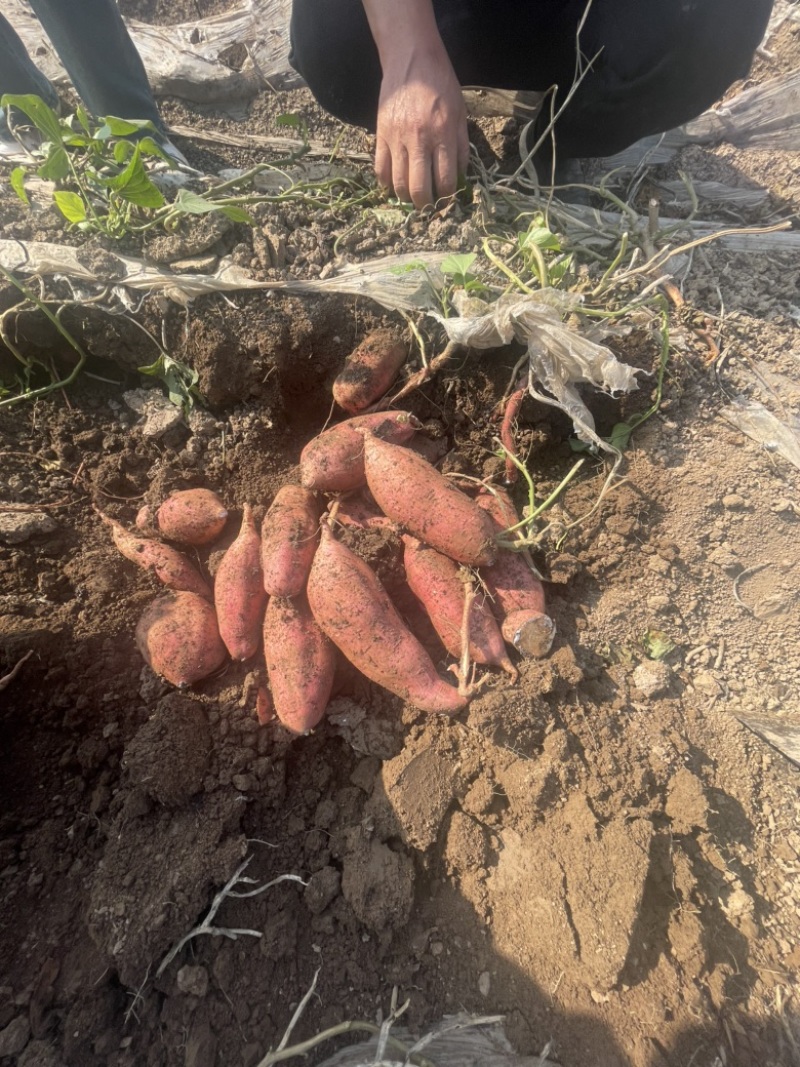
{"x": 123, "y": 150}
{"x": 293, "y": 121}
{"x": 17, "y": 181}
{"x": 56, "y": 165}
{"x": 620, "y": 435}
{"x": 458, "y": 265}
{"x": 82, "y": 115}
{"x": 541, "y": 237}
{"x": 237, "y": 214}
{"x": 134, "y": 186}
{"x": 70, "y": 205}
{"x": 657, "y": 644}
{"x": 114, "y": 127}
{"x": 43, "y": 117}
{"x": 190, "y": 203}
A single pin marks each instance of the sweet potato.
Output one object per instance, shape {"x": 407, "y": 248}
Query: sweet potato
{"x": 301, "y": 663}
{"x": 333, "y": 462}
{"x": 289, "y": 536}
{"x": 239, "y": 596}
{"x": 179, "y": 638}
{"x": 435, "y": 581}
{"x": 369, "y": 371}
{"x": 354, "y": 610}
{"x": 168, "y": 565}
{"x": 192, "y": 516}
{"x": 265, "y": 708}
{"x": 413, "y": 493}
{"x": 518, "y": 594}
{"x": 361, "y": 511}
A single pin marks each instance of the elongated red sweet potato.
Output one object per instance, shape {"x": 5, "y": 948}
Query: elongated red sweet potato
{"x": 239, "y": 596}
{"x": 192, "y": 516}
{"x": 369, "y": 370}
{"x": 333, "y": 462}
{"x": 168, "y": 565}
{"x": 301, "y": 663}
{"x": 179, "y": 638}
{"x": 354, "y": 610}
{"x": 435, "y": 580}
{"x": 518, "y": 594}
{"x": 412, "y": 492}
{"x": 289, "y": 536}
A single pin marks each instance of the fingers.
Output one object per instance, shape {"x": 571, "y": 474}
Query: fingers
{"x": 424, "y": 176}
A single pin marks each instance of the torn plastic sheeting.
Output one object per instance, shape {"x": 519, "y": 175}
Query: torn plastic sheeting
{"x": 559, "y": 357}
{"x": 759, "y": 424}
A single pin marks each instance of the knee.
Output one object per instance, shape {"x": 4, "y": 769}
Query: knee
{"x": 333, "y": 51}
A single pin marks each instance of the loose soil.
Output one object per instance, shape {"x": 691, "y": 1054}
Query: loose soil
{"x": 601, "y": 853}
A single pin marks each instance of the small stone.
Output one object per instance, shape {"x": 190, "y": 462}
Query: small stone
{"x": 159, "y": 414}
{"x": 195, "y": 265}
{"x": 652, "y": 678}
{"x": 193, "y": 980}
{"x": 437, "y": 948}
{"x": 733, "y": 502}
{"x": 484, "y": 983}
{"x": 243, "y": 782}
{"x": 323, "y": 887}
{"x": 659, "y": 565}
{"x": 14, "y": 1037}
{"x": 659, "y": 602}
{"x": 19, "y": 526}
{"x": 705, "y": 682}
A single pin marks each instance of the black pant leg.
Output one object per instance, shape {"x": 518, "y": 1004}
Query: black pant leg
{"x": 94, "y": 45}
{"x": 18, "y": 74}
{"x": 656, "y": 63}
{"x": 659, "y": 63}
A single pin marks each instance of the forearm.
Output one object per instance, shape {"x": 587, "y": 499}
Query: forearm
{"x": 402, "y": 30}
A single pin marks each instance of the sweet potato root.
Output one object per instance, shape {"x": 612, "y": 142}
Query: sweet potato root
{"x": 369, "y": 371}
{"x": 436, "y": 582}
{"x": 289, "y": 536}
{"x": 192, "y": 516}
{"x": 301, "y": 663}
{"x": 179, "y": 638}
{"x": 168, "y": 565}
{"x": 333, "y": 462}
{"x": 518, "y": 594}
{"x": 239, "y": 596}
{"x": 413, "y": 493}
{"x": 354, "y": 610}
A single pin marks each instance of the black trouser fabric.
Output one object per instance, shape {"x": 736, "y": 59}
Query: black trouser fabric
{"x": 656, "y": 63}
{"x": 91, "y": 40}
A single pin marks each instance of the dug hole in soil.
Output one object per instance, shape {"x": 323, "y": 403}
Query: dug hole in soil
{"x": 601, "y": 853}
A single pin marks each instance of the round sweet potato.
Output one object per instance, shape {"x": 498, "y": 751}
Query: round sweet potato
{"x": 179, "y": 638}
{"x": 192, "y": 516}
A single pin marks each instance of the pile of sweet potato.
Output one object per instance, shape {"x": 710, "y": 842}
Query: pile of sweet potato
{"x": 296, "y": 589}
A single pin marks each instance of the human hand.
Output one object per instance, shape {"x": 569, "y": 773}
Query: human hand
{"x": 422, "y": 145}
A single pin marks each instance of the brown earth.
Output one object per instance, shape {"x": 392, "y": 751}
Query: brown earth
{"x": 602, "y": 853}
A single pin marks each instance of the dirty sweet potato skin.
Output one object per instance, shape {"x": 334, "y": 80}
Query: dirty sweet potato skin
{"x": 289, "y": 536}
{"x": 517, "y": 593}
{"x": 239, "y": 596}
{"x": 301, "y": 663}
{"x": 167, "y": 563}
{"x": 192, "y": 517}
{"x": 437, "y": 583}
{"x": 354, "y": 610}
{"x": 179, "y": 638}
{"x": 369, "y": 370}
{"x": 333, "y": 461}
{"x": 413, "y": 493}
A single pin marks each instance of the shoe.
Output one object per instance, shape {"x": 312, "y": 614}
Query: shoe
{"x": 14, "y": 147}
